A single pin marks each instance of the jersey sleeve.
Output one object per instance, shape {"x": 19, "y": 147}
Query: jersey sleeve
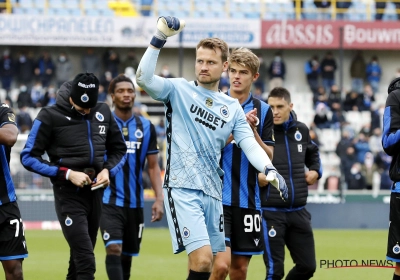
{"x": 267, "y": 134}
{"x": 241, "y": 128}
{"x": 153, "y": 147}
{"x": 6, "y": 115}
{"x": 391, "y": 125}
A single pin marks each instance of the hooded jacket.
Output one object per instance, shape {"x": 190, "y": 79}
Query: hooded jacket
{"x": 294, "y": 150}
{"x": 73, "y": 141}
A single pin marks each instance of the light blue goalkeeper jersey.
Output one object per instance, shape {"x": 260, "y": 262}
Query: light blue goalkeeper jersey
{"x": 199, "y": 122}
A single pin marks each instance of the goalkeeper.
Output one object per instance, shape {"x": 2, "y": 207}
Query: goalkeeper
{"x": 199, "y": 122}
{"x": 289, "y": 223}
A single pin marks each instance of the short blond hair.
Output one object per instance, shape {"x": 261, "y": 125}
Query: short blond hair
{"x": 245, "y": 58}
{"x": 213, "y": 44}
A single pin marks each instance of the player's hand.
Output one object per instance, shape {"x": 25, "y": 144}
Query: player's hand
{"x": 167, "y": 26}
{"x": 79, "y": 179}
{"x": 277, "y": 181}
{"x": 311, "y": 177}
{"x": 103, "y": 178}
{"x": 157, "y": 211}
{"x": 262, "y": 180}
{"x": 252, "y": 119}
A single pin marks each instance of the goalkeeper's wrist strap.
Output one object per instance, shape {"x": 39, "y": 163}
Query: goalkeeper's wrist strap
{"x": 157, "y": 42}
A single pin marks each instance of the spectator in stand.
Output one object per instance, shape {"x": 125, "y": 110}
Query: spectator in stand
{"x": 24, "y": 97}
{"x": 322, "y": 6}
{"x": 353, "y": 101}
{"x": 24, "y": 120}
{"x": 44, "y": 70}
{"x": 63, "y": 69}
{"x": 91, "y": 62}
{"x": 321, "y": 96}
{"x": 361, "y": 146}
{"x": 165, "y": 72}
{"x": 341, "y": 8}
{"x": 377, "y": 115}
{"x": 397, "y": 74}
{"x": 346, "y": 163}
{"x": 312, "y": 71}
{"x": 321, "y": 119}
{"x": 374, "y": 73}
{"x": 49, "y": 97}
{"x": 356, "y": 180}
{"x": 24, "y": 68}
{"x": 37, "y": 95}
{"x": 263, "y": 71}
{"x": 368, "y": 98}
{"x": 130, "y": 61}
{"x": 383, "y": 161}
{"x": 375, "y": 141}
{"x": 337, "y": 118}
{"x": 105, "y": 79}
{"x": 7, "y": 70}
{"x": 368, "y": 169}
{"x": 102, "y": 94}
{"x": 345, "y": 142}
{"x": 277, "y": 71}
{"x": 111, "y": 62}
{"x": 224, "y": 82}
{"x": 328, "y": 68}
{"x": 357, "y": 72}
{"x": 335, "y": 97}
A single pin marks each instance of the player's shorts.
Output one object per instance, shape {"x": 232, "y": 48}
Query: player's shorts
{"x": 393, "y": 247}
{"x": 243, "y": 230}
{"x": 12, "y": 235}
{"x": 122, "y": 225}
{"x": 194, "y": 219}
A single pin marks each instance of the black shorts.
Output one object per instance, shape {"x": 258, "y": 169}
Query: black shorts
{"x": 122, "y": 225}
{"x": 12, "y": 235}
{"x": 243, "y": 230}
{"x": 393, "y": 247}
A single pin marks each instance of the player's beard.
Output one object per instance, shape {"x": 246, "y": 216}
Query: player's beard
{"x": 206, "y": 80}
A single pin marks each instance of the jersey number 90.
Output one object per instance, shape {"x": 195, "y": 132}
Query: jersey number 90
{"x": 252, "y": 224}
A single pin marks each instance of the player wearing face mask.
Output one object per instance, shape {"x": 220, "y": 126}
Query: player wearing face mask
{"x": 63, "y": 69}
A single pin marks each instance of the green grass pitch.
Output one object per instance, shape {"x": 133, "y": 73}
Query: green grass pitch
{"x": 49, "y": 253}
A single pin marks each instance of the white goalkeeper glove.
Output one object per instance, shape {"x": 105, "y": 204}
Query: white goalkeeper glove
{"x": 166, "y": 27}
{"x": 277, "y": 181}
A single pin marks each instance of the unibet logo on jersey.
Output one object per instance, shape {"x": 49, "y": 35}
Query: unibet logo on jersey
{"x": 132, "y": 146}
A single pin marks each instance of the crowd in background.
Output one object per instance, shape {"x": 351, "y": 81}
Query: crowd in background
{"x": 37, "y": 79}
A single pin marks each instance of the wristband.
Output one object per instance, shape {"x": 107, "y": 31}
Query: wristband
{"x": 157, "y": 42}
{"x": 67, "y": 174}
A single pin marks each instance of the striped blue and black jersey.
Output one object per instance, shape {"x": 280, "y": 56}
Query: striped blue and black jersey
{"x": 126, "y": 188}
{"x": 7, "y": 190}
{"x": 240, "y": 183}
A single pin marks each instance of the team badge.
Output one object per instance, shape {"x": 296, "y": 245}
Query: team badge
{"x": 99, "y": 116}
{"x": 298, "y": 136}
{"x": 138, "y": 133}
{"x": 125, "y": 131}
{"x": 272, "y": 232}
{"x": 106, "y": 235}
{"x": 224, "y": 111}
{"x": 11, "y": 117}
{"x": 186, "y": 232}
{"x": 209, "y": 102}
{"x": 84, "y": 98}
{"x": 396, "y": 249}
{"x": 68, "y": 221}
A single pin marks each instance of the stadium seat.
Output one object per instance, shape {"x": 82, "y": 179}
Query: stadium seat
{"x": 238, "y": 15}
{"x": 107, "y": 12}
{"x": 18, "y": 11}
{"x": 34, "y": 11}
{"x": 92, "y": 12}
{"x": 56, "y": 4}
{"x": 26, "y": 3}
{"x": 252, "y": 15}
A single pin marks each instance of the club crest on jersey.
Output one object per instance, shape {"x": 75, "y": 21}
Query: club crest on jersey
{"x": 298, "y": 136}
{"x": 68, "y": 221}
{"x": 106, "y": 236}
{"x": 99, "y": 116}
{"x": 138, "y": 133}
{"x": 11, "y": 117}
{"x": 209, "y": 102}
{"x": 272, "y": 232}
{"x": 224, "y": 111}
{"x": 85, "y": 98}
{"x": 396, "y": 249}
{"x": 125, "y": 131}
{"x": 186, "y": 232}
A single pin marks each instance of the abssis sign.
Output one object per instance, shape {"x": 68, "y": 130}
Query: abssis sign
{"x": 326, "y": 35}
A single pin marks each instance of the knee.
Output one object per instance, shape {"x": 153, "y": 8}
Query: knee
{"x": 114, "y": 249}
{"x": 204, "y": 264}
{"x": 221, "y": 269}
{"x": 307, "y": 269}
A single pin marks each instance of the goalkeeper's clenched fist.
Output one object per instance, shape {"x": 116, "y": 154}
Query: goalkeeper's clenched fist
{"x": 166, "y": 27}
